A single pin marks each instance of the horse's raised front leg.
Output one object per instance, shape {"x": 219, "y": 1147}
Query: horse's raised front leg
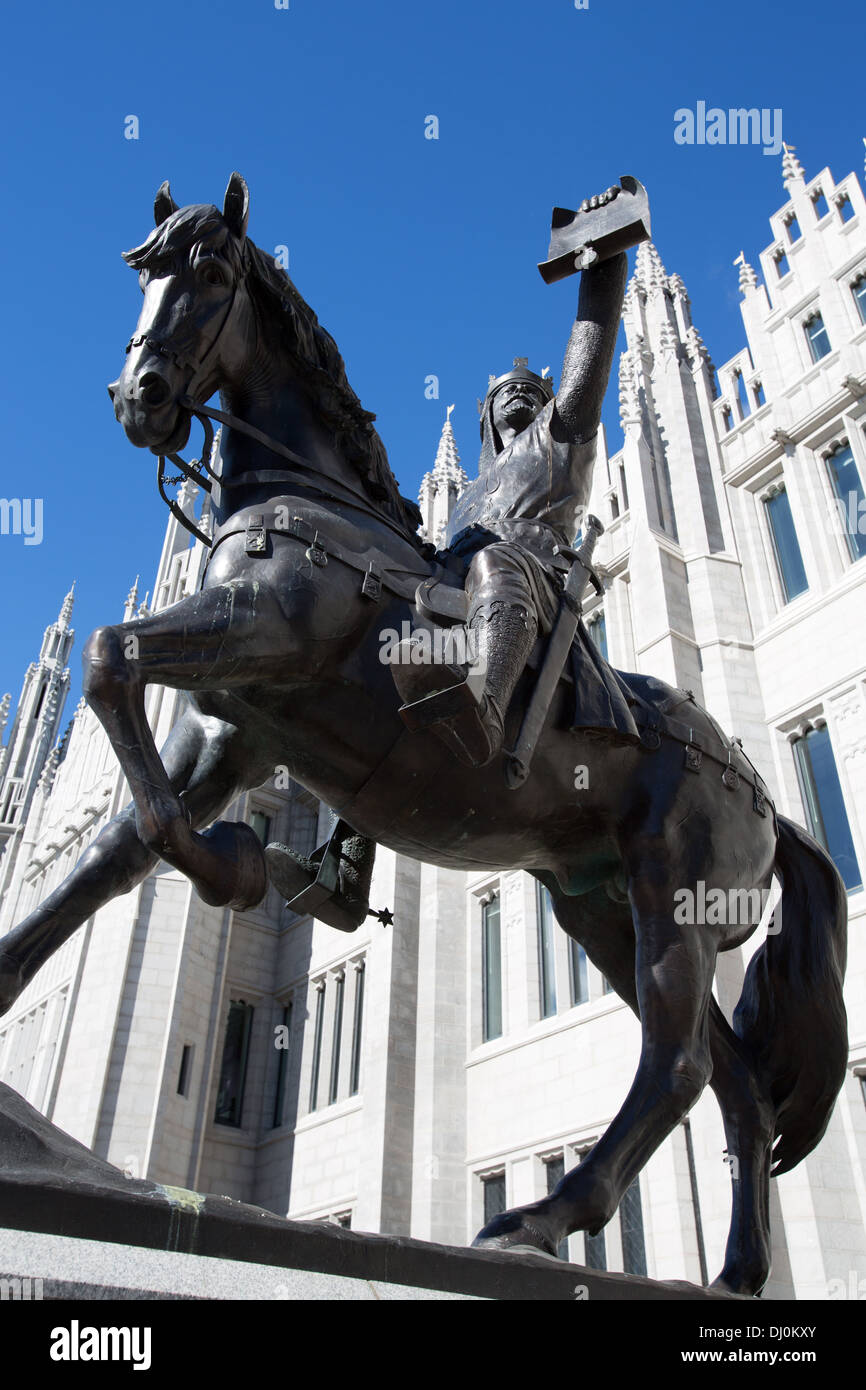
{"x": 673, "y": 976}
{"x": 208, "y": 765}
{"x": 226, "y": 636}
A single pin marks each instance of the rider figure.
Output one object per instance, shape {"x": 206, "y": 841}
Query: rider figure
{"x": 534, "y": 478}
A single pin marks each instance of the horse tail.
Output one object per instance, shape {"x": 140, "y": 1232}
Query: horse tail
{"x": 791, "y": 1014}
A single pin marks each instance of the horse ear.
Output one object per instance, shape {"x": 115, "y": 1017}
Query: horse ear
{"x": 163, "y": 204}
{"x": 236, "y": 208}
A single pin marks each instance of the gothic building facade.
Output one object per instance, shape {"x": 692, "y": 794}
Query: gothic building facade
{"x": 411, "y": 1079}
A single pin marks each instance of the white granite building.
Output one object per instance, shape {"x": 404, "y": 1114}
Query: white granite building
{"x": 460, "y": 1059}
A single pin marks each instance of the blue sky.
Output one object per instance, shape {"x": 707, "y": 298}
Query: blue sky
{"x": 418, "y": 255}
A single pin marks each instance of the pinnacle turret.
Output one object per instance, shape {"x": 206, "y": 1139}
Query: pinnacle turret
{"x": 66, "y": 609}
{"x": 748, "y": 278}
{"x": 792, "y": 169}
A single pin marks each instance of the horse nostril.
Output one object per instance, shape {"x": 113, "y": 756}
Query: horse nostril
{"x": 112, "y": 389}
{"x": 153, "y": 389}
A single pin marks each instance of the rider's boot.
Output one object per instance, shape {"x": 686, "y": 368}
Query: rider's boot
{"x": 349, "y": 905}
{"x": 468, "y": 714}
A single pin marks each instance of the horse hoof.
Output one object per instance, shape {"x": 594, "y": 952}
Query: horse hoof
{"x": 241, "y": 877}
{"x": 11, "y": 981}
{"x": 513, "y": 1232}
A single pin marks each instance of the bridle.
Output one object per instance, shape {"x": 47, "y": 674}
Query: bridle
{"x": 200, "y": 472}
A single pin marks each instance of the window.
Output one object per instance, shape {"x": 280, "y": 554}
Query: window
{"x": 623, "y": 487}
{"x": 577, "y": 972}
{"x": 614, "y": 506}
{"x": 817, "y": 337}
{"x": 844, "y": 208}
{"x": 741, "y": 394}
{"x": 598, "y": 633}
{"x": 858, "y": 289}
{"x": 781, "y": 260}
{"x": 819, "y": 203}
{"x": 594, "y": 1251}
{"x": 185, "y": 1069}
{"x": 728, "y": 419}
{"x": 546, "y": 962}
{"x": 491, "y": 971}
{"x": 758, "y": 393}
{"x": 336, "y": 1038}
{"x": 849, "y": 495}
{"x": 606, "y": 986}
{"x": 631, "y": 1227}
{"x": 233, "y": 1070}
{"x": 792, "y": 227}
{"x": 786, "y": 547}
{"x": 555, "y": 1171}
{"x": 317, "y": 1044}
{"x": 261, "y": 824}
{"x": 282, "y": 1067}
{"x": 494, "y": 1196}
{"x": 357, "y": 1025}
{"x": 824, "y": 803}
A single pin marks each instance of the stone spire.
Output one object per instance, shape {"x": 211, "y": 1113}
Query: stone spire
{"x": 131, "y": 600}
{"x": 648, "y": 269}
{"x": 748, "y": 278}
{"x": 441, "y": 487}
{"x": 792, "y": 169}
{"x": 66, "y": 610}
{"x": 446, "y": 467}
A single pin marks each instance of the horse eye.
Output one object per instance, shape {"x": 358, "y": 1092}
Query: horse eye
{"x": 212, "y": 274}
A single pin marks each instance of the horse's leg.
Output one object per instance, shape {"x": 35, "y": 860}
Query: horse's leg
{"x": 208, "y": 765}
{"x": 674, "y": 975}
{"x": 231, "y": 635}
{"x": 749, "y": 1119}
{"x": 606, "y": 931}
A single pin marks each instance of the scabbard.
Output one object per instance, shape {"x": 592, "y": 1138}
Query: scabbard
{"x": 558, "y": 647}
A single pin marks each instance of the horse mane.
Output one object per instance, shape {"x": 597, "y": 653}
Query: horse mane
{"x": 311, "y": 347}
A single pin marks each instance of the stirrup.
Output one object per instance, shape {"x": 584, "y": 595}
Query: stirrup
{"x": 313, "y": 887}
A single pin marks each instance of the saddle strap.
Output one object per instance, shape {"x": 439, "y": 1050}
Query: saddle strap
{"x": 378, "y": 569}
{"x": 655, "y": 724}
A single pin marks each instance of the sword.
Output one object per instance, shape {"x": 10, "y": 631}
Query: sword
{"x": 581, "y": 573}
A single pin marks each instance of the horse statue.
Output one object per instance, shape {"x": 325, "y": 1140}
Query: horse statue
{"x": 314, "y": 555}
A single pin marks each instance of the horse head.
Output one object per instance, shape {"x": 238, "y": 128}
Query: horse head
{"x": 197, "y": 323}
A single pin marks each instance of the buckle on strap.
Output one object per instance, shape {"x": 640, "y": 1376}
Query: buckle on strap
{"x": 371, "y": 584}
{"x": 256, "y": 540}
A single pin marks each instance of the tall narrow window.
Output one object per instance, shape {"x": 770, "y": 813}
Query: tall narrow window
{"x": 185, "y": 1070}
{"x": 786, "y": 547}
{"x": 742, "y": 395}
{"x": 817, "y": 337}
{"x": 317, "y": 1044}
{"x": 261, "y": 824}
{"x": 577, "y": 972}
{"x": 491, "y": 971}
{"x": 848, "y": 488}
{"x": 858, "y": 289}
{"x": 598, "y": 633}
{"x": 494, "y": 1196}
{"x": 824, "y": 803}
{"x": 233, "y": 1069}
{"x": 334, "y": 1087}
{"x": 623, "y": 487}
{"x": 781, "y": 260}
{"x": 758, "y": 393}
{"x": 631, "y": 1228}
{"x": 357, "y": 1029}
{"x": 282, "y": 1065}
{"x": 594, "y": 1251}
{"x": 844, "y": 208}
{"x": 555, "y": 1170}
{"x": 546, "y": 963}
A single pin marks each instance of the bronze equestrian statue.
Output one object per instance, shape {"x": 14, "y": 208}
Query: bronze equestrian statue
{"x": 315, "y": 554}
